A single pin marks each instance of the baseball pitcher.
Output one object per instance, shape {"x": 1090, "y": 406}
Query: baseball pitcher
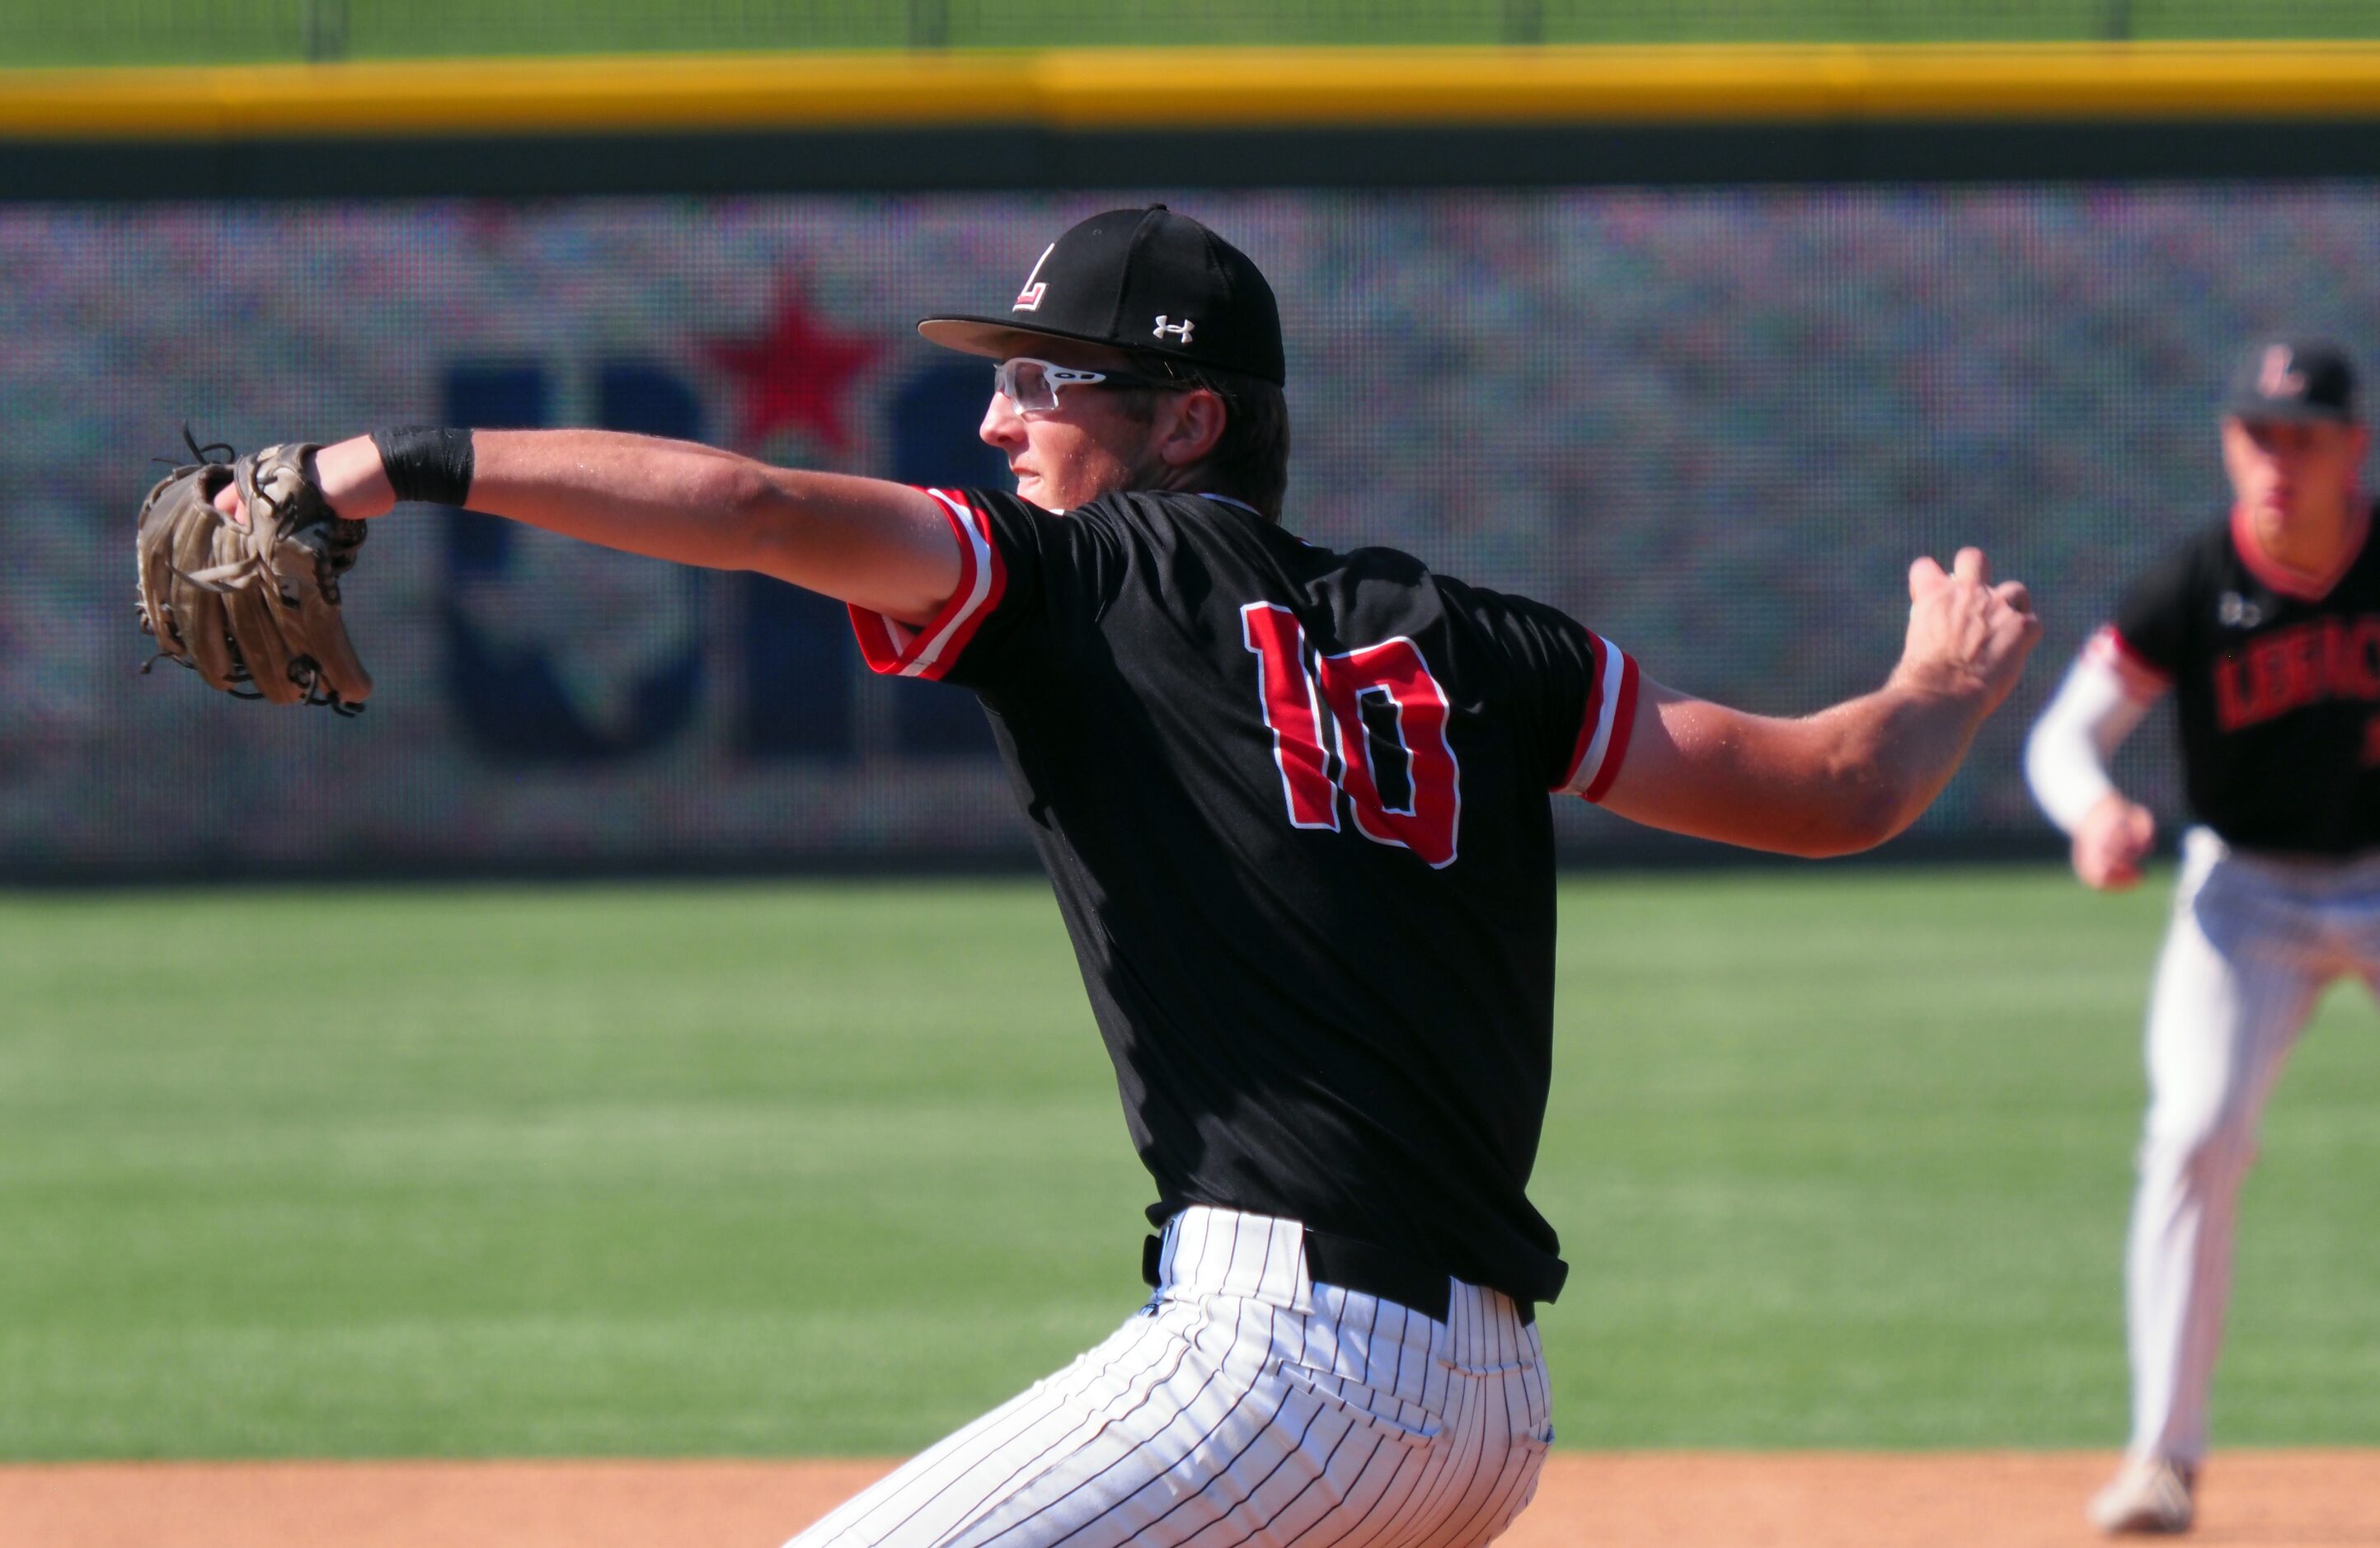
{"x": 1294, "y": 806}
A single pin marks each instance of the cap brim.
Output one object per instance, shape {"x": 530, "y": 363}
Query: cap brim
{"x": 1003, "y": 338}
{"x": 994, "y": 338}
{"x": 2264, "y": 411}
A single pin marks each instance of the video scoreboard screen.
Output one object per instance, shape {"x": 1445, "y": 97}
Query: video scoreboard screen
{"x": 1713, "y": 424}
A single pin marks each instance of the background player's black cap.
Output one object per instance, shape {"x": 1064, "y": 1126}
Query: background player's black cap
{"x": 1137, "y": 279}
{"x": 2298, "y": 380}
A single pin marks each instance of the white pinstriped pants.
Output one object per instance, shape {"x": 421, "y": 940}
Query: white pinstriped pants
{"x": 1245, "y": 1407}
{"x": 2255, "y": 940}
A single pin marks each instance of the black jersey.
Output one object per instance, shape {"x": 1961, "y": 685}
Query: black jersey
{"x": 1294, "y": 803}
{"x": 2277, "y": 679}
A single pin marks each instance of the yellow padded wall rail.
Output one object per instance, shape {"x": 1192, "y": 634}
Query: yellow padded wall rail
{"x": 1071, "y": 89}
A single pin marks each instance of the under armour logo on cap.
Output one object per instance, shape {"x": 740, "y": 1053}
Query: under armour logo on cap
{"x": 1179, "y": 330}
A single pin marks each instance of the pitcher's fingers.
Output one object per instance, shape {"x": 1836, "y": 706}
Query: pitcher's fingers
{"x": 2015, "y": 595}
{"x": 1971, "y": 565}
{"x": 1925, "y": 577}
{"x": 227, "y": 501}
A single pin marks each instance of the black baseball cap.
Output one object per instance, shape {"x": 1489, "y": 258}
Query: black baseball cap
{"x": 2299, "y": 379}
{"x": 1137, "y": 279}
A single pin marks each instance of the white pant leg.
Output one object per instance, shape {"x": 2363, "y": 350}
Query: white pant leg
{"x": 2352, "y": 910}
{"x": 2243, "y": 964}
{"x": 1250, "y": 1408}
{"x": 933, "y": 1493}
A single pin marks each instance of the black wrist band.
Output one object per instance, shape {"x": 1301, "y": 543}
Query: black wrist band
{"x": 426, "y": 463}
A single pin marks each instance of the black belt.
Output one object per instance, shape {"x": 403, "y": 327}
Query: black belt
{"x": 1363, "y": 1267}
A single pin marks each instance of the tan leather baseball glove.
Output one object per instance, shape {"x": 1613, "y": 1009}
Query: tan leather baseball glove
{"x": 252, "y": 608}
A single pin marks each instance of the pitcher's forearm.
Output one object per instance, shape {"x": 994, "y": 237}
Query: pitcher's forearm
{"x": 881, "y": 546}
{"x": 664, "y": 498}
{"x": 1866, "y": 768}
{"x": 1835, "y": 782}
{"x": 1899, "y": 747}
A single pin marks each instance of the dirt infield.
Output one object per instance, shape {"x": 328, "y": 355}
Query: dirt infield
{"x": 2269, "y": 1499}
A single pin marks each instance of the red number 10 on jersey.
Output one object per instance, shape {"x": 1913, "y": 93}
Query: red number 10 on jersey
{"x": 1387, "y": 721}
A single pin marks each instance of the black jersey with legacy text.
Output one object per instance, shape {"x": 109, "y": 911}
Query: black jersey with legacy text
{"x": 2278, "y": 681}
{"x": 1294, "y": 803}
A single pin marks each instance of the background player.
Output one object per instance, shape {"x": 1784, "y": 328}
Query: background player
{"x": 1294, "y": 806}
{"x": 2267, "y": 625}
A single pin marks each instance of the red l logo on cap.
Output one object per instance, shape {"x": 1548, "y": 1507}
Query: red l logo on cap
{"x": 1030, "y": 298}
{"x": 2275, "y": 380}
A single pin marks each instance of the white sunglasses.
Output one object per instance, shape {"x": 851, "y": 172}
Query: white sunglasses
{"x": 1032, "y": 385}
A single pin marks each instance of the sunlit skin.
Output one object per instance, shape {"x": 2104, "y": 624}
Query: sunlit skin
{"x": 1088, "y": 446}
{"x": 2115, "y": 836}
{"x": 2297, "y": 482}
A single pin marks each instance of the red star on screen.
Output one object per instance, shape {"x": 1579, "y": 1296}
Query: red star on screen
{"x": 796, "y": 374}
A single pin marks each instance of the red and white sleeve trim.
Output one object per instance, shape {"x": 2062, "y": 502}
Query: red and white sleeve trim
{"x": 896, "y": 649}
{"x": 2142, "y": 678}
{"x": 1602, "y": 730}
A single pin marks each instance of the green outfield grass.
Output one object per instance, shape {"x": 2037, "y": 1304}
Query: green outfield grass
{"x": 122, "y": 32}
{"x": 1839, "y": 1157}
